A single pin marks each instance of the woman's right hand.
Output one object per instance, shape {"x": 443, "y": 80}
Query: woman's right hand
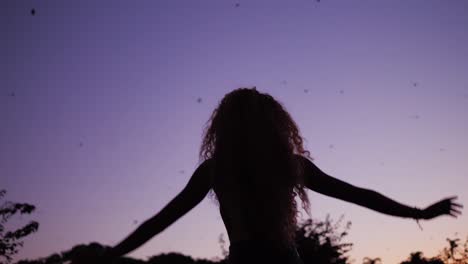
{"x": 443, "y": 207}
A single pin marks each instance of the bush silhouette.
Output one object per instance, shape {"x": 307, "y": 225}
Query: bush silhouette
{"x": 321, "y": 241}
{"x": 455, "y": 253}
{"x": 318, "y": 242}
{"x": 169, "y": 258}
{"x": 368, "y": 260}
{"x": 418, "y": 258}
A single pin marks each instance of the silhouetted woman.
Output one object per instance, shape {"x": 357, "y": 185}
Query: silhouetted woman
{"x": 255, "y": 165}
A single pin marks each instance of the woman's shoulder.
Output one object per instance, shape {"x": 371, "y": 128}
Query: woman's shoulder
{"x": 207, "y": 163}
{"x": 303, "y": 160}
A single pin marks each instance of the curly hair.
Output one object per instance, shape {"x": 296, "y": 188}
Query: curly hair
{"x": 253, "y": 142}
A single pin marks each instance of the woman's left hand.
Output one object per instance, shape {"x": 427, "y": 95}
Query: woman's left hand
{"x": 444, "y": 207}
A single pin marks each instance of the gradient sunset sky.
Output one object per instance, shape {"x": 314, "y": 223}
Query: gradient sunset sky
{"x": 103, "y": 104}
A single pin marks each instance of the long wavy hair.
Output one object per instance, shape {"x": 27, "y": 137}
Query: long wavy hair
{"x": 253, "y": 142}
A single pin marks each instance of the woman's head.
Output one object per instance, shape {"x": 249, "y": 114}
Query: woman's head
{"x": 253, "y": 141}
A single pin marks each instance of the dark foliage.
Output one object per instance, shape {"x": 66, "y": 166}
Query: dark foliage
{"x": 10, "y": 241}
{"x": 454, "y": 253}
{"x": 322, "y": 242}
{"x": 418, "y": 258}
{"x": 169, "y": 258}
{"x": 96, "y": 249}
{"x": 368, "y": 260}
{"x": 318, "y": 242}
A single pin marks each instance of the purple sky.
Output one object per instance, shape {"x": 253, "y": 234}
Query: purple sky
{"x": 386, "y": 109}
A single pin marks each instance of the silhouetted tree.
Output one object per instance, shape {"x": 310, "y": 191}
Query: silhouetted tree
{"x": 455, "y": 253}
{"x": 171, "y": 258}
{"x": 418, "y": 258}
{"x": 25, "y": 261}
{"x": 205, "y": 261}
{"x": 95, "y": 249}
{"x": 10, "y": 241}
{"x": 320, "y": 242}
{"x": 368, "y": 260}
{"x": 317, "y": 242}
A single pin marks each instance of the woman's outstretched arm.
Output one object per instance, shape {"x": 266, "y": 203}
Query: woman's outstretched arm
{"x": 317, "y": 180}
{"x": 193, "y": 193}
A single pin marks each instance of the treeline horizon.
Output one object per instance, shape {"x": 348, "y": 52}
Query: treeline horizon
{"x": 318, "y": 242}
